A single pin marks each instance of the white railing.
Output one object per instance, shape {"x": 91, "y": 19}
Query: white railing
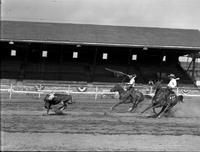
{"x": 94, "y": 90}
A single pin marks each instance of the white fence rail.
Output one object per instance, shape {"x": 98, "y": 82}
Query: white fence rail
{"x": 92, "y": 90}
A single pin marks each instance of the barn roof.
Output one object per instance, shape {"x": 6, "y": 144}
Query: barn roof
{"x": 105, "y": 35}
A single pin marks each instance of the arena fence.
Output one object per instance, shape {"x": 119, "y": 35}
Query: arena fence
{"x": 97, "y": 91}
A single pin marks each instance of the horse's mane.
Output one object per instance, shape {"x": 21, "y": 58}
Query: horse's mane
{"x": 158, "y": 86}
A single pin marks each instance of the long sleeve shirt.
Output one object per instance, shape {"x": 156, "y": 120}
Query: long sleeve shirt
{"x": 172, "y": 83}
{"x": 132, "y": 81}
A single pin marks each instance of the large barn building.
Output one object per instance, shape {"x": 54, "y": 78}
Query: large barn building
{"x": 81, "y": 52}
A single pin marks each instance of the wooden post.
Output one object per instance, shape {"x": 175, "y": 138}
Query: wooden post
{"x": 129, "y": 60}
{"x": 39, "y": 91}
{"x": 61, "y": 63}
{"x": 68, "y": 89}
{"x": 193, "y": 66}
{"x": 11, "y": 89}
{"x": 94, "y": 64}
{"x": 42, "y": 63}
{"x": 96, "y": 94}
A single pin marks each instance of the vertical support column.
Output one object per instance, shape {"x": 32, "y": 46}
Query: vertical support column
{"x": 193, "y": 66}
{"x": 24, "y": 62}
{"x": 94, "y": 64}
{"x": 11, "y": 90}
{"x": 61, "y": 62}
{"x": 96, "y": 93}
{"x": 129, "y": 60}
{"x": 161, "y": 65}
{"x": 42, "y": 64}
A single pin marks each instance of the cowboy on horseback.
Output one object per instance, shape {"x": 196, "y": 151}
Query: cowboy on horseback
{"x": 172, "y": 83}
{"x": 132, "y": 81}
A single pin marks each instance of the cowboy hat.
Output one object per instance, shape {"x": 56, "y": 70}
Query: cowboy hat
{"x": 171, "y": 75}
{"x": 133, "y": 75}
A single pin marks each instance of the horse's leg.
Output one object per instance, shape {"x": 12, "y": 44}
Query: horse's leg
{"x": 153, "y": 106}
{"x": 48, "y": 108}
{"x": 61, "y": 106}
{"x": 64, "y": 105}
{"x": 71, "y": 100}
{"x": 134, "y": 100}
{"x": 140, "y": 99}
{"x": 167, "y": 108}
{"x": 154, "y": 109}
{"x": 134, "y": 105}
{"x": 164, "y": 108}
{"x": 149, "y": 107}
{"x": 117, "y": 104}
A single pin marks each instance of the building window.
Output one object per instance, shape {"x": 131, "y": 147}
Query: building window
{"x": 185, "y": 58}
{"x": 164, "y": 58}
{"x": 13, "y": 53}
{"x": 75, "y": 55}
{"x": 44, "y": 54}
{"x": 105, "y": 56}
{"x": 134, "y": 57}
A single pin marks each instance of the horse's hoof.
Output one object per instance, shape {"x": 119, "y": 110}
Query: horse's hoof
{"x": 130, "y": 109}
{"x": 152, "y": 116}
{"x": 45, "y": 114}
{"x": 58, "y": 111}
{"x": 158, "y": 117}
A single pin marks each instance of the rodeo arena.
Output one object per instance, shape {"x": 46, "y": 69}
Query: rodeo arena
{"x": 84, "y": 87}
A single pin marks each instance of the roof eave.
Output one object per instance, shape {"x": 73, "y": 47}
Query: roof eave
{"x": 195, "y": 48}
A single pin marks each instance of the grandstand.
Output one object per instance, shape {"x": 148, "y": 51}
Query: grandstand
{"x": 191, "y": 66}
{"x": 80, "y": 52}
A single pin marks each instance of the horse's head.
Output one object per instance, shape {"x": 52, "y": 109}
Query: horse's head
{"x": 117, "y": 87}
{"x": 157, "y": 85}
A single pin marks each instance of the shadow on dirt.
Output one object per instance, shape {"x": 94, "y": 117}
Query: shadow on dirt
{"x": 55, "y": 114}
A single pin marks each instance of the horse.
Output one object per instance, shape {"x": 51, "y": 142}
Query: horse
{"x": 164, "y": 98}
{"x": 131, "y": 96}
{"x": 57, "y": 98}
{"x": 172, "y": 101}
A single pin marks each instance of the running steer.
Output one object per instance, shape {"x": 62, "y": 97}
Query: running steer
{"x": 56, "y": 98}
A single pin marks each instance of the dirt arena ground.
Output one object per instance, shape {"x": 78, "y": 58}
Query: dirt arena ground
{"x": 89, "y": 125}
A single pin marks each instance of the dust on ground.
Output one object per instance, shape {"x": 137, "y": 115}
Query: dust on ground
{"x": 90, "y": 125}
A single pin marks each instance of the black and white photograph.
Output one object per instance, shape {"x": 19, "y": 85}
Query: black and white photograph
{"x": 100, "y": 75}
